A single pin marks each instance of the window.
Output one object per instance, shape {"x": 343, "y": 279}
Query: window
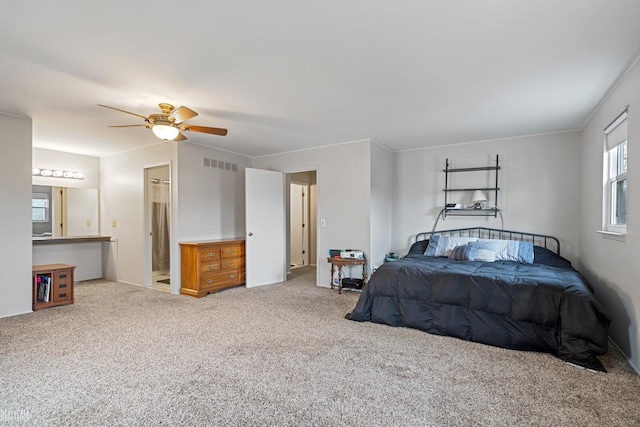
{"x": 615, "y": 173}
{"x": 40, "y": 207}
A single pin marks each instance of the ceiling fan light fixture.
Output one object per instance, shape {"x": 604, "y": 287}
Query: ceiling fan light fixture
{"x": 168, "y": 124}
{"x": 165, "y": 131}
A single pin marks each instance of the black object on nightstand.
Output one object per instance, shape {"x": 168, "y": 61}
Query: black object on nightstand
{"x": 390, "y": 257}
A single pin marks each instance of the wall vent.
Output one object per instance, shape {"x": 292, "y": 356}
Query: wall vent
{"x": 219, "y": 164}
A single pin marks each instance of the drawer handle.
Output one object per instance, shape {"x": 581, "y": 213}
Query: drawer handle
{"x": 63, "y": 295}
{"x": 228, "y": 263}
{"x": 210, "y": 281}
{"x": 228, "y": 252}
{"x": 63, "y": 285}
{"x": 231, "y": 276}
{"x": 211, "y": 254}
{"x": 211, "y": 267}
{"x": 63, "y": 276}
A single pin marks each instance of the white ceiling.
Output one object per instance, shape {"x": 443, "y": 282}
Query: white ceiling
{"x": 286, "y": 75}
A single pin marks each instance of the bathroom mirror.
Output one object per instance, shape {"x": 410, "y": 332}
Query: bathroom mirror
{"x": 64, "y": 211}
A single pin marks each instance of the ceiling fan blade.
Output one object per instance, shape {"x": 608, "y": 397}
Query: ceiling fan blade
{"x": 180, "y": 137}
{"x": 128, "y": 112}
{"x": 127, "y": 126}
{"x": 205, "y": 129}
{"x": 181, "y": 114}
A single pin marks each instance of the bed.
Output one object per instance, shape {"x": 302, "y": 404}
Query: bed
{"x": 533, "y": 300}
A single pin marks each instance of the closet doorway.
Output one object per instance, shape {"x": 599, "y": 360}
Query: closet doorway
{"x": 299, "y": 216}
{"x": 301, "y": 226}
{"x": 158, "y": 190}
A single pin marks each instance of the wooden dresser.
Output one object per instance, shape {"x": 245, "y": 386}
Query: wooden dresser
{"x": 52, "y": 285}
{"x": 210, "y": 266}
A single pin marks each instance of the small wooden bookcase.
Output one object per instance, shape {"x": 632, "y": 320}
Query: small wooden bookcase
{"x": 52, "y": 285}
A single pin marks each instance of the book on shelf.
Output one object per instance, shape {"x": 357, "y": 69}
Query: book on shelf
{"x": 44, "y": 288}
{"x": 47, "y": 289}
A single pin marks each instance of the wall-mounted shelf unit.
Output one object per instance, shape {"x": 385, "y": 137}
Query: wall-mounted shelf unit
{"x": 491, "y": 211}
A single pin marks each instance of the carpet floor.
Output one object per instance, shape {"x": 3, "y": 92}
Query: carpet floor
{"x": 280, "y": 355}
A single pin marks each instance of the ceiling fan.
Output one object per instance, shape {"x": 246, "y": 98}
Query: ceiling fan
{"x": 170, "y": 123}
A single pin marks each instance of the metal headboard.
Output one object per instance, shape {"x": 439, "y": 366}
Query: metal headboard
{"x": 495, "y": 233}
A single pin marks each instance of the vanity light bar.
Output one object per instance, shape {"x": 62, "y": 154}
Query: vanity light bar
{"x": 56, "y": 173}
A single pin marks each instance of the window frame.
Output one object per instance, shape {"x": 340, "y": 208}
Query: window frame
{"x": 613, "y": 160}
{"x": 46, "y": 207}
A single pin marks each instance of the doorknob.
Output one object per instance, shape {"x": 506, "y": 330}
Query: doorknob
{"x": 250, "y": 234}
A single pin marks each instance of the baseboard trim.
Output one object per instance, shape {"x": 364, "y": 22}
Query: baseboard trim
{"x": 131, "y": 283}
{"x": 634, "y": 367}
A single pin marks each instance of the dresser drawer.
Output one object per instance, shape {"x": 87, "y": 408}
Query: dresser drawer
{"x": 208, "y": 254}
{"x": 209, "y": 267}
{"x": 216, "y": 280}
{"x": 231, "y": 263}
{"x": 232, "y": 251}
{"x": 62, "y": 292}
{"x": 62, "y": 276}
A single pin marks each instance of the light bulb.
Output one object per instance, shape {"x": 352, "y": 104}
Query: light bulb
{"x": 165, "y": 131}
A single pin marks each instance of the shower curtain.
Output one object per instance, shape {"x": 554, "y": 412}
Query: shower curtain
{"x": 160, "y": 227}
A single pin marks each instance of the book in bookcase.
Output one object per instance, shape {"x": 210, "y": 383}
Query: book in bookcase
{"x": 47, "y": 288}
{"x": 44, "y": 287}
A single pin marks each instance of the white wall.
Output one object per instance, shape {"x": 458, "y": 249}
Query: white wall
{"x": 612, "y": 265}
{"x": 123, "y": 201}
{"x": 86, "y": 256}
{"x": 539, "y": 187}
{"x": 51, "y": 159}
{"x": 15, "y": 211}
{"x": 343, "y": 195}
{"x": 211, "y": 200}
{"x": 381, "y": 207}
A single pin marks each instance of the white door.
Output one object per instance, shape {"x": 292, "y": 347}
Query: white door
{"x": 265, "y": 227}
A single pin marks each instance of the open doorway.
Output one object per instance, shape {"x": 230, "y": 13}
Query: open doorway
{"x": 158, "y": 185}
{"x": 301, "y": 224}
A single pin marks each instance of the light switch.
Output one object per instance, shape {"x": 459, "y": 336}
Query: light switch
{"x": 88, "y": 223}
{"x": 323, "y": 222}
{"x": 113, "y": 223}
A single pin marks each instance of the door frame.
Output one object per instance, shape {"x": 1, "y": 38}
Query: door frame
{"x": 315, "y": 262}
{"x": 305, "y": 220}
{"x": 148, "y": 265}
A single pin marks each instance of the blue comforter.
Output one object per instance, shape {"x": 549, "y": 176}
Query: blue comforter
{"x": 546, "y": 306}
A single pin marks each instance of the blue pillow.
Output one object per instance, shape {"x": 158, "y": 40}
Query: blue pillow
{"x": 508, "y": 250}
{"x": 464, "y": 253}
{"x": 488, "y": 244}
{"x": 437, "y": 246}
{"x": 443, "y": 245}
{"x": 518, "y": 251}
